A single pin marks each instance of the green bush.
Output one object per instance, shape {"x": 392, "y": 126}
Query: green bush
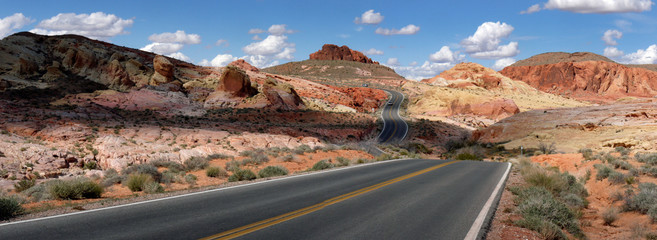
{"x": 191, "y": 179}
{"x": 137, "y": 181}
{"x": 146, "y": 168}
{"x": 321, "y": 165}
{"x": 171, "y": 165}
{"x": 110, "y": 178}
{"x": 622, "y": 150}
{"x": 38, "y": 193}
{"x": 78, "y": 188}
{"x": 24, "y": 184}
{"x": 169, "y": 176}
{"x": 383, "y": 157}
{"x": 649, "y": 158}
{"x": 603, "y": 171}
{"x": 342, "y": 161}
{"x": 622, "y": 165}
{"x": 610, "y": 215}
{"x": 288, "y": 158}
{"x": 9, "y": 208}
{"x": 196, "y": 163}
{"x": 467, "y": 156}
{"x": 153, "y": 187}
{"x": 91, "y": 164}
{"x": 303, "y": 149}
{"x": 256, "y": 158}
{"x": 616, "y": 177}
{"x": 642, "y": 201}
{"x": 233, "y": 166}
{"x": 242, "y": 175}
{"x": 587, "y": 153}
{"x": 272, "y": 171}
{"x": 215, "y": 172}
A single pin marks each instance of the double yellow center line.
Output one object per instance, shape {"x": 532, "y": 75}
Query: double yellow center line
{"x": 230, "y": 234}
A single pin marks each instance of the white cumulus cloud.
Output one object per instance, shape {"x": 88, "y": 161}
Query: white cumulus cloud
{"x": 502, "y": 63}
{"x": 221, "y": 42}
{"x": 392, "y": 62}
{"x": 256, "y": 31}
{"x": 610, "y": 37}
{"x": 177, "y": 37}
{"x": 600, "y": 6}
{"x": 369, "y": 17}
{"x": 641, "y": 56}
{"x": 180, "y": 56}
{"x": 408, "y": 30}
{"x": 445, "y": 55}
{"x": 612, "y": 52}
{"x": 279, "y": 29}
{"x": 419, "y": 72}
{"x": 13, "y": 22}
{"x": 269, "y": 46}
{"x": 373, "y": 51}
{"x": 485, "y": 42}
{"x": 220, "y": 60}
{"x": 532, "y": 9}
{"x": 163, "y": 48}
{"x": 98, "y": 25}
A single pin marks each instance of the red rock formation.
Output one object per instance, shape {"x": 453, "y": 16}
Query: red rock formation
{"x": 333, "y": 52}
{"x": 235, "y": 82}
{"x": 586, "y": 80}
{"x": 240, "y": 63}
{"x": 495, "y": 109}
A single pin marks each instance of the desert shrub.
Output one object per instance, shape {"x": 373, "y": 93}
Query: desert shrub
{"x": 610, "y": 215}
{"x": 622, "y": 164}
{"x": 24, "y": 184}
{"x": 169, "y": 177}
{"x": 146, "y": 168}
{"x": 648, "y": 158}
{"x": 547, "y": 148}
{"x": 616, "y": 177}
{"x": 191, "y": 179}
{"x": 551, "y": 181}
{"x": 137, "y": 181}
{"x": 215, "y": 172}
{"x": 634, "y": 172}
{"x": 321, "y": 165}
{"x": 342, "y": 161}
{"x": 587, "y": 153}
{"x": 196, "y": 163}
{"x": 153, "y": 187}
{"x": 90, "y": 165}
{"x": 110, "y": 178}
{"x": 652, "y": 213}
{"x": 9, "y": 207}
{"x": 233, "y": 166}
{"x": 301, "y": 149}
{"x": 642, "y": 201}
{"x": 622, "y": 150}
{"x": 573, "y": 200}
{"x": 256, "y": 158}
{"x": 467, "y": 156}
{"x": 38, "y": 193}
{"x": 77, "y": 188}
{"x": 171, "y": 165}
{"x": 218, "y": 156}
{"x": 272, "y": 171}
{"x": 287, "y": 158}
{"x": 539, "y": 207}
{"x": 242, "y": 175}
{"x": 603, "y": 171}
{"x": 361, "y": 161}
{"x": 383, "y": 157}
{"x": 608, "y": 158}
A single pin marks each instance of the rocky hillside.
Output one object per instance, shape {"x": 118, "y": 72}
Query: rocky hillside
{"x": 584, "y": 76}
{"x": 476, "y": 96}
{"x": 333, "y": 52}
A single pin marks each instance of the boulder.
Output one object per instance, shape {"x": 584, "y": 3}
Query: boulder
{"x": 164, "y": 70}
{"x": 240, "y": 63}
{"x": 236, "y": 83}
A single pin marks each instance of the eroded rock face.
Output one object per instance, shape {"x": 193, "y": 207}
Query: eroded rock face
{"x": 163, "y": 71}
{"x": 236, "y": 83}
{"x": 587, "y": 80}
{"x": 333, "y": 52}
{"x": 240, "y": 63}
{"x": 495, "y": 109}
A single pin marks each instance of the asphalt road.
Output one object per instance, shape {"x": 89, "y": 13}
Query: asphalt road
{"x": 394, "y": 127}
{"x": 404, "y": 199}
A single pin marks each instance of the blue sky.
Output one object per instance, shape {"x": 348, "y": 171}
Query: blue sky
{"x": 419, "y": 39}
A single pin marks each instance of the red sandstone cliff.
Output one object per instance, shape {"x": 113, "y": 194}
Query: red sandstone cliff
{"x": 333, "y": 52}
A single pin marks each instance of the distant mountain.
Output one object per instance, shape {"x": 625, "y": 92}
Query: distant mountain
{"x": 333, "y": 52}
{"x": 584, "y": 76}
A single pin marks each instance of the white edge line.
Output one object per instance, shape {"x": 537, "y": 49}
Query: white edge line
{"x": 476, "y": 226}
{"x": 196, "y": 193}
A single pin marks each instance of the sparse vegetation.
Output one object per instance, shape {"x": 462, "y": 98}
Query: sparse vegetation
{"x": 77, "y": 188}
{"x": 24, "y": 184}
{"x": 610, "y": 215}
{"x": 546, "y": 148}
{"x": 137, "y": 182}
{"x": 587, "y": 153}
{"x": 321, "y": 165}
{"x": 242, "y": 175}
{"x": 272, "y": 171}
{"x": 215, "y": 172}
{"x": 9, "y": 207}
{"x": 196, "y": 163}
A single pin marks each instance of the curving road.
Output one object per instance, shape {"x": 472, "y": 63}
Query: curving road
{"x": 394, "y": 127}
{"x": 399, "y": 199}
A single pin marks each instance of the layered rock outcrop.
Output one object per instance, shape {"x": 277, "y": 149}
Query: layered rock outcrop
{"x": 333, "y": 52}
{"x": 586, "y": 80}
